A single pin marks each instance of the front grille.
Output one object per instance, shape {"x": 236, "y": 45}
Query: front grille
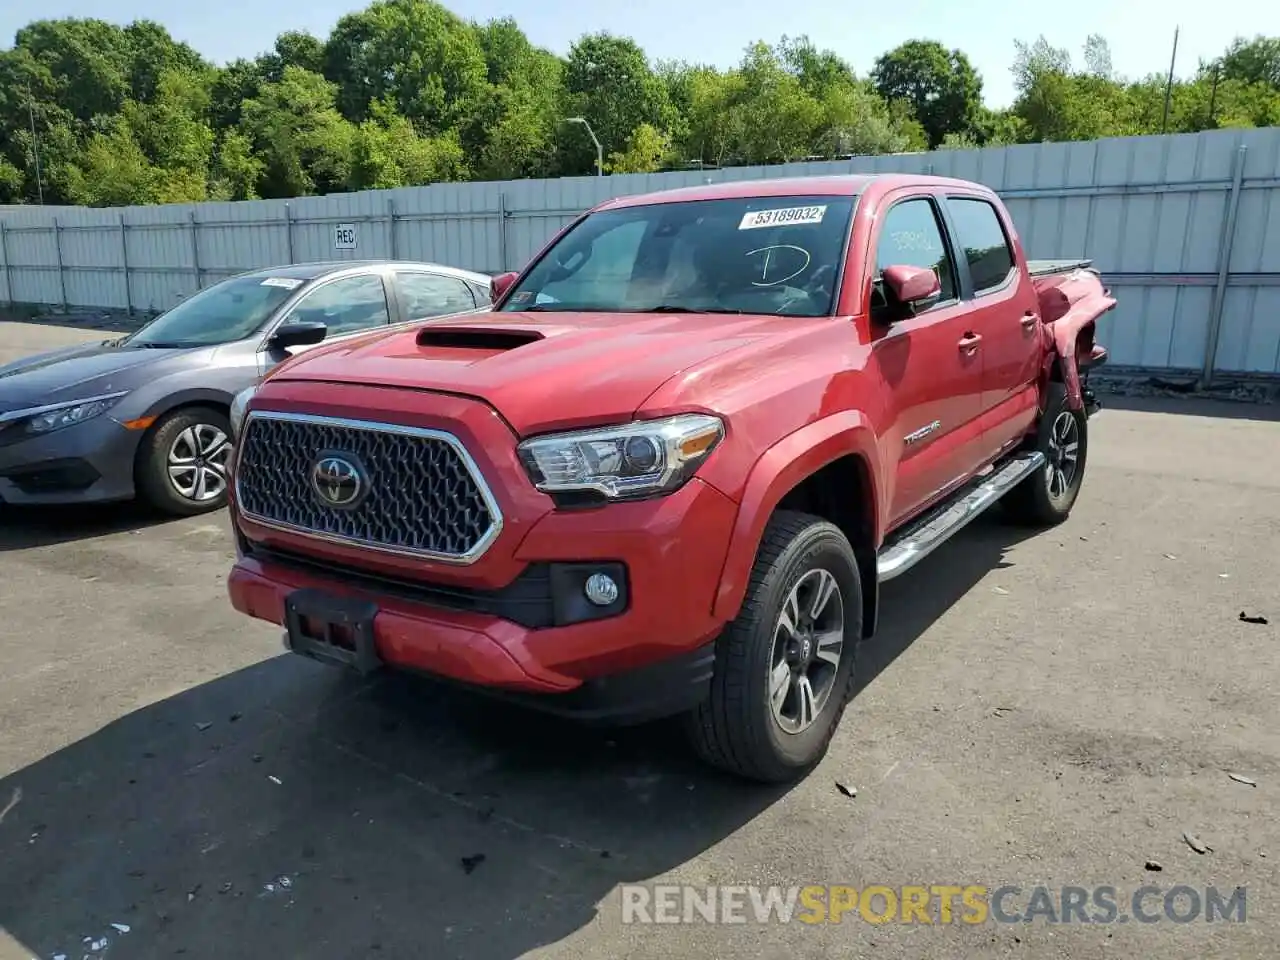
{"x": 418, "y": 491}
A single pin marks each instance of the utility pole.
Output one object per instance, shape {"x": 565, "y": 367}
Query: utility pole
{"x": 1168, "y": 87}
{"x": 35, "y": 145}
{"x": 591, "y": 133}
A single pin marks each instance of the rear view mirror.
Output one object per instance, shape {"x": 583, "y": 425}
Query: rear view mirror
{"x": 501, "y": 284}
{"x": 299, "y": 333}
{"x": 913, "y": 289}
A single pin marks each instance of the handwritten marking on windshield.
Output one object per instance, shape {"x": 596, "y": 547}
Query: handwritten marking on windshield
{"x": 769, "y": 258}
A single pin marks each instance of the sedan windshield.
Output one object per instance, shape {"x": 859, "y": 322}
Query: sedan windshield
{"x": 767, "y": 255}
{"x": 223, "y": 313}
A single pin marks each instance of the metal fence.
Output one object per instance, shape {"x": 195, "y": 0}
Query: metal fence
{"x": 1180, "y": 226}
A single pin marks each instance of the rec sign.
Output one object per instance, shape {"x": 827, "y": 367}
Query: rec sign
{"x": 345, "y": 236}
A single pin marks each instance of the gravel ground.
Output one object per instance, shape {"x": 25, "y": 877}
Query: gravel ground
{"x": 1055, "y": 709}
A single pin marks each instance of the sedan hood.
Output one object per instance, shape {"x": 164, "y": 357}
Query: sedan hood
{"x": 540, "y": 370}
{"x": 87, "y": 370}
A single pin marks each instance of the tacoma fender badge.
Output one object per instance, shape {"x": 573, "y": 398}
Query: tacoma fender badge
{"x": 917, "y": 435}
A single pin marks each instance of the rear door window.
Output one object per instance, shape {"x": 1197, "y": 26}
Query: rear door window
{"x": 981, "y": 236}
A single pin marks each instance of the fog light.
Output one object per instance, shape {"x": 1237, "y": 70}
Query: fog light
{"x": 600, "y": 589}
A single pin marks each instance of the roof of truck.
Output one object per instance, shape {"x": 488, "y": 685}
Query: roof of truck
{"x": 843, "y": 185}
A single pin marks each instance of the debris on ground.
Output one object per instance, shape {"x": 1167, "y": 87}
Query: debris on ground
{"x": 1196, "y": 844}
{"x": 233, "y": 718}
{"x": 121, "y": 927}
{"x": 1245, "y": 780}
{"x": 203, "y": 726}
{"x": 1000, "y": 590}
{"x": 256, "y": 758}
{"x": 191, "y": 894}
{"x": 1153, "y": 865}
{"x": 13, "y": 802}
{"x": 847, "y": 789}
{"x": 470, "y": 863}
{"x": 1224, "y": 576}
{"x": 1261, "y": 621}
{"x": 276, "y": 780}
{"x": 1170, "y": 556}
{"x": 1001, "y": 712}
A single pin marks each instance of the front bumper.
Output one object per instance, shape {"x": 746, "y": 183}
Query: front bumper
{"x": 648, "y": 658}
{"x": 89, "y": 462}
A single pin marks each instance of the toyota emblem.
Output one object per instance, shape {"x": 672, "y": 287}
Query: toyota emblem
{"x": 338, "y": 481}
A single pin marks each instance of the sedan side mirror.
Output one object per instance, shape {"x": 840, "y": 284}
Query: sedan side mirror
{"x": 501, "y": 284}
{"x": 299, "y": 333}
{"x": 911, "y": 289}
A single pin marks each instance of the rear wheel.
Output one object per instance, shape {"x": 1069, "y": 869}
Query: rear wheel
{"x": 784, "y": 666}
{"x": 182, "y": 464}
{"x": 1046, "y": 497}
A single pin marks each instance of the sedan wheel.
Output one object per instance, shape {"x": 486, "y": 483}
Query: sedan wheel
{"x": 198, "y": 462}
{"x": 182, "y": 466}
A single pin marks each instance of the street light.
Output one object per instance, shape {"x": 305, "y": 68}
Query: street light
{"x": 591, "y": 133}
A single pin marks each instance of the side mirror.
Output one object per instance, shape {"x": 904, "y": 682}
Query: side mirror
{"x": 299, "y": 333}
{"x": 501, "y": 284}
{"x": 912, "y": 289}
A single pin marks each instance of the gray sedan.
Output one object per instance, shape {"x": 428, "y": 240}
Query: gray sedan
{"x": 148, "y": 413}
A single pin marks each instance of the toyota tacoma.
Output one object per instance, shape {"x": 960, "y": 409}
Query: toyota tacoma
{"x": 666, "y": 472}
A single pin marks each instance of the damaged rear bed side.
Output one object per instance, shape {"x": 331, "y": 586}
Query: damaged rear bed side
{"x": 1072, "y": 298}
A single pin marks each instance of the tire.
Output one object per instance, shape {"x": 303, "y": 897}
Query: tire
{"x": 167, "y": 444}
{"x": 737, "y": 728}
{"x": 1045, "y": 498}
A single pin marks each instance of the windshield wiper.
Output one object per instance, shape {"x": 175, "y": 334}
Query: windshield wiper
{"x": 677, "y": 308}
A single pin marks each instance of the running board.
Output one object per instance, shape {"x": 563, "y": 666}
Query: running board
{"x": 942, "y": 523}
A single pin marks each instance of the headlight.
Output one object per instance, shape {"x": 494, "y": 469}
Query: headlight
{"x": 68, "y": 414}
{"x": 238, "y": 407}
{"x": 634, "y": 460}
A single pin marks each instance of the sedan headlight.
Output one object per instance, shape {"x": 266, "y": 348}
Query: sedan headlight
{"x": 634, "y": 460}
{"x": 239, "y": 406}
{"x": 57, "y": 416}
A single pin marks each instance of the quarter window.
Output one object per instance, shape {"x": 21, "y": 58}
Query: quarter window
{"x": 980, "y": 235}
{"x": 911, "y": 237}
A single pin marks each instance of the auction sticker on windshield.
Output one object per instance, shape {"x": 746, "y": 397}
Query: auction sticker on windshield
{"x": 782, "y": 216}
{"x": 289, "y": 283}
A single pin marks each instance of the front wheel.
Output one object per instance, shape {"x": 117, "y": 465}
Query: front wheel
{"x": 182, "y": 464}
{"x": 784, "y": 666}
{"x": 1046, "y": 497}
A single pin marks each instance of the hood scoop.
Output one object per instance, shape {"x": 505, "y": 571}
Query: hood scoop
{"x": 473, "y": 338}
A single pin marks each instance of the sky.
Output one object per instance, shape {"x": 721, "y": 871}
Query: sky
{"x": 1140, "y": 32}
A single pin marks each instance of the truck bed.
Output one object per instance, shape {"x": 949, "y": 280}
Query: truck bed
{"x": 1045, "y": 268}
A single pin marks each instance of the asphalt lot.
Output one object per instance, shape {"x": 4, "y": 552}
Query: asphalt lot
{"x": 1047, "y": 710}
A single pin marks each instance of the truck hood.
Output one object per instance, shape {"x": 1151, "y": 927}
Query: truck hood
{"x": 80, "y": 371}
{"x": 542, "y": 371}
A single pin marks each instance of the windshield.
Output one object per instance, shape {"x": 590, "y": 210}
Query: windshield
{"x": 223, "y": 313}
{"x": 770, "y": 255}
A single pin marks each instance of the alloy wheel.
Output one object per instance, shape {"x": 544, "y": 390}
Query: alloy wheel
{"x": 197, "y": 462}
{"x": 808, "y": 641}
{"x": 1063, "y": 454}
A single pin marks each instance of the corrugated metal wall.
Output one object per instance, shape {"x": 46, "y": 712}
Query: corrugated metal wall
{"x": 1180, "y": 226}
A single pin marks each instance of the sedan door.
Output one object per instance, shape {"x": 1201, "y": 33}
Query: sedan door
{"x": 930, "y": 363}
{"x": 347, "y": 305}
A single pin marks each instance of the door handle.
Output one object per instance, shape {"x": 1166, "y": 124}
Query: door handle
{"x": 970, "y": 342}
{"x": 1029, "y": 320}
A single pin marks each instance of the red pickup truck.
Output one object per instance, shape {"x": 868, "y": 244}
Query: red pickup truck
{"x": 667, "y": 470}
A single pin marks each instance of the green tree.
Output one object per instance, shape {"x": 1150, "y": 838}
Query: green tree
{"x": 428, "y": 61}
{"x": 608, "y": 81}
{"x": 295, "y": 128}
{"x": 941, "y": 85}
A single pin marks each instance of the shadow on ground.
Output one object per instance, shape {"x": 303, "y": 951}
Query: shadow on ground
{"x": 287, "y": 810}
{"x": 22, "y": 527}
